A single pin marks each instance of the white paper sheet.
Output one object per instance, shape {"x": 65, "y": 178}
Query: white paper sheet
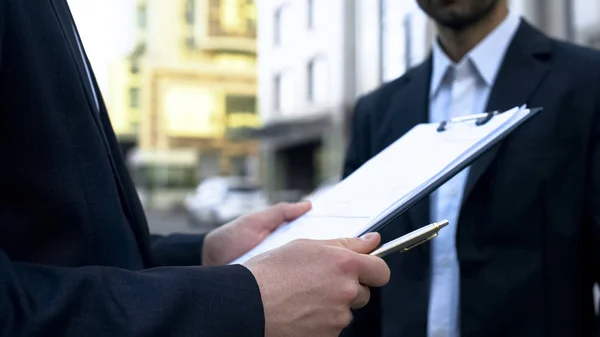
{"x": 388, "y": 180}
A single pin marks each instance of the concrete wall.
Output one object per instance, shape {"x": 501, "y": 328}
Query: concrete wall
{"x": 383, "y": 45}
{"x": 300, "y": 44}
{"x": 332, "y": 39}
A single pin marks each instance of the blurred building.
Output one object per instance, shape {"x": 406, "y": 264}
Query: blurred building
{"x": 186, "y": 90}
{"x": 306, "y": 88}
{"x": 394, "y": 35}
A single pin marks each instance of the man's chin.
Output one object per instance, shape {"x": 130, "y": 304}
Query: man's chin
{"x": 456, "y": 22}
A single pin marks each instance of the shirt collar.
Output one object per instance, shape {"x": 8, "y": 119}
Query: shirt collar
{"x": 486, "y": 57}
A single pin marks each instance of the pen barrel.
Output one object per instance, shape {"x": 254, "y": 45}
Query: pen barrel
{"x": 409, "y": 240}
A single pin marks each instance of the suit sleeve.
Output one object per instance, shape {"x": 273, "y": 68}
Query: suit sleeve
{"x": 177, "y": 250}
{"x": 358, "y": 148}
{"x": 40, "y": 301}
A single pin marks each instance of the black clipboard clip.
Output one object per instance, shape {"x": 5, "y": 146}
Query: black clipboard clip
{"x": 480, "y": 119}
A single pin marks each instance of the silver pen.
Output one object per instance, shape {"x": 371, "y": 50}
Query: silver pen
{"x": 411, "y": 240}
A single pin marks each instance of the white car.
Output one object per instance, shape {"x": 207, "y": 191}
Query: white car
{"x": 219, "y": 200}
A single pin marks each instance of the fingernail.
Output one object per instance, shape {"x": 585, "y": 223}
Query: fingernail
{"x": 368, "y": 236}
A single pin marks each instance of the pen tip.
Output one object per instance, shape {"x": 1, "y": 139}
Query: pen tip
{"x": 443, "y": 223}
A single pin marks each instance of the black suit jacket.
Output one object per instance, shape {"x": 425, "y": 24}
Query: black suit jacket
{"x": 528, "y": 235}
{"x": 76, "y": 258}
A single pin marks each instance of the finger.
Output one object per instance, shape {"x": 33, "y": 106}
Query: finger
{"x": 284, "y": 212}
{"x": 362, "y": 245}
{"x": 372, "y": 271}
{"x": 363, "y": 298}
{"x": 274, "y": 216}
{"x": 289, "y": 212}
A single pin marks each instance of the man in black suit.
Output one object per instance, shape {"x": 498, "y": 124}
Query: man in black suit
{"x": 76, "y": 258}
{"x": 523, "y": 251}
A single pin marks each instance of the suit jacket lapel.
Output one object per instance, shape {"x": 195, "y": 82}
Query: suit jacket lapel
{"x": 521, "y": 73}
{"x": 68, "y": 27}
{"x": 132, "y": 213}
{"x": 409, "y": 108}
{"x": 132, "y": 207}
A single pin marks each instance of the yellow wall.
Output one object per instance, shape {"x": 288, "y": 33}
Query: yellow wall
{"x": 182, "y": 86}
{"x": 123, "y": 118}
{"x": 192, "y": 110}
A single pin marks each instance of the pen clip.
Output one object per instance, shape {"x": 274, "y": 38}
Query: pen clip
{"x": 422, "y": 241}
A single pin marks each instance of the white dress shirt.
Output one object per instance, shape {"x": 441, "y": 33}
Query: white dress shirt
{"x": 458, "y": 89}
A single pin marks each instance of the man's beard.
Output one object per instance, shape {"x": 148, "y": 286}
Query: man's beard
{"x": 457, "y": 21}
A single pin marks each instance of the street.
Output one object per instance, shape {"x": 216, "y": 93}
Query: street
{"x": 168, "y": 222}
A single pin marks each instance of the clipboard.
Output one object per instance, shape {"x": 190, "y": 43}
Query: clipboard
{"x": 457, "y": 166}
{"x": 373, "y": 197}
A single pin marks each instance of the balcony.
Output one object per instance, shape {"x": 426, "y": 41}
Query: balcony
{"x": 227, "y": 44}
{"x": 231, "y": 28}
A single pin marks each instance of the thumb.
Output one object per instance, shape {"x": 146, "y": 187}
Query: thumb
{"x": 363, "y": 245}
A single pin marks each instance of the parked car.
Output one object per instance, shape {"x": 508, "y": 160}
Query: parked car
{"x": 219, "y": 200}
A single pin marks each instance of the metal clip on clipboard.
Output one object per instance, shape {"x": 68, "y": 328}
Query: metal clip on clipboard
{"x": 480, "y": 119}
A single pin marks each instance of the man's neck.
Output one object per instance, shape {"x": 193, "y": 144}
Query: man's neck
{"x": 457, "y": 43}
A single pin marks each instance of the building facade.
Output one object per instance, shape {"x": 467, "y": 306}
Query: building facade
{"x": 306, "y": 87}
{"x": 187, "y": 89}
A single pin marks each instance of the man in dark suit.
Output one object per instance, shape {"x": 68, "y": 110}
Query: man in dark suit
{"x": 76, "y": 258}
{"x": 522, "y": 253}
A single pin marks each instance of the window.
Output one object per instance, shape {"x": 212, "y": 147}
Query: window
{"x": 239, "y": 168}
{"x": 135, "y": 65}
{"x": 283, "y": 92}
{"x": 190, "y": 42}
{"x": 190, "y": 14}
{"x": 240, "y": 104}
{"x": 277, "y": 27}
{"x": 318, "y": 80}
{"x": 135, "y": 126}
{"x": 310, "y": 91}
{"x": 232, "y": 18}
{"x": 190, "y": 19}
{"x": 311, "y": 14}
{"x": 142, "y": 17}
{"x": 316, "y": 14}
{"x": 277, "y": 93}
{"x": 398, "y": 34}
{"x": 134, "y": 97}
{"x": 282, "y": 24}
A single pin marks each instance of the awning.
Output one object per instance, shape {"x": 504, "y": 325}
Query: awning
{"x": 308, "y": 127}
